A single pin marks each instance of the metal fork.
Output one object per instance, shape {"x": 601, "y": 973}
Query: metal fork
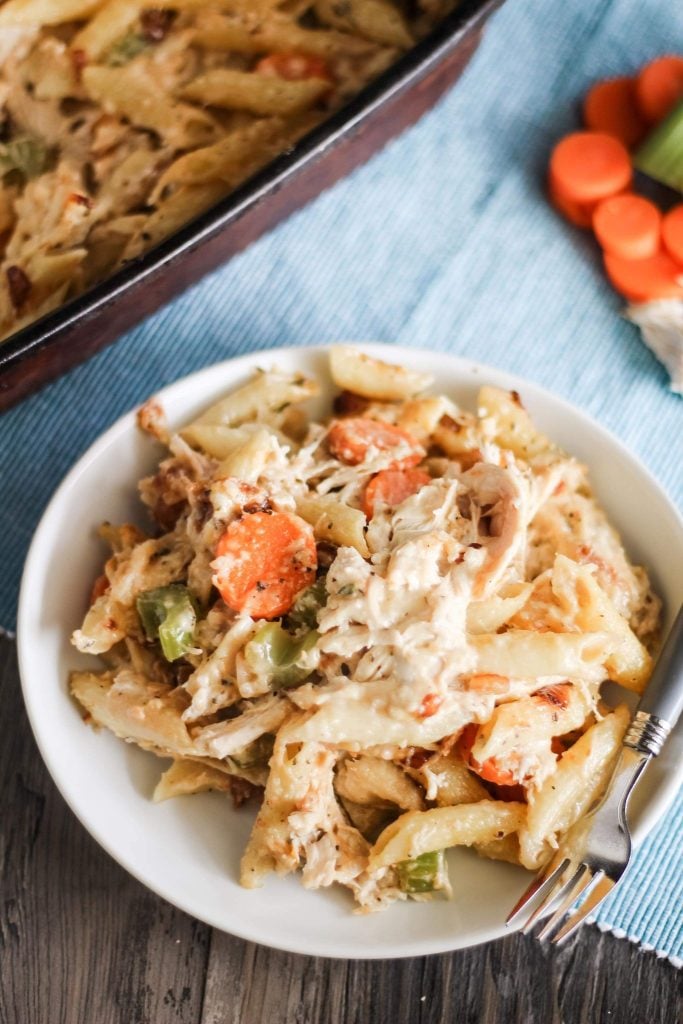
{"x": 596, "y": 851}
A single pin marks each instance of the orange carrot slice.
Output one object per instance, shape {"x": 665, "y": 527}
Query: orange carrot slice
{"x": 658, "y": 277}
{"x": 293, "y": 66}
{"x": 578, "y": 214}
{"x": 588, "y": 166}
{"x": 351, "y": 439}
{"x": 672, "y": 233}
{"x": 611, "y": 107}
{"x": 628, "y": 226}
{"x": 391, "y": 487}
{"x": 659, "y": 87}
{"x": 489, "y": 769}
{"x": 263, "y": 561}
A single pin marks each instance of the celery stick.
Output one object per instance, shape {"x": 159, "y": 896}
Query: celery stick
{"x": 168, "y": 614}
{"x": 661, "y": 155}
{"x": 273, "y": 652}
{"x": 426, "y": 873}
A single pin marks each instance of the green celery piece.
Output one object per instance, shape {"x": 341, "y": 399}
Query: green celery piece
{"x": 256, "y": 754}
{"x": 426, "y": 873}
{"x": 27, "y": 155}
{"x": 168, "y": 614}
{"x": 304, "y": 612}
{"x": 126, "y": 48}
{"x": 272, "y": 648}
{"x": 661, "y": 155}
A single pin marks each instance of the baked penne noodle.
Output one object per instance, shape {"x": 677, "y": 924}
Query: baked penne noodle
{"x": 257, "y": 94}
{"x": 419, "y": 832}
{"x": 385, "y": 693}
{"x": 581, "y": 776}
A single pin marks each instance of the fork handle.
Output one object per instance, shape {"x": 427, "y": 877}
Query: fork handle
{"x": 662, "y": 702}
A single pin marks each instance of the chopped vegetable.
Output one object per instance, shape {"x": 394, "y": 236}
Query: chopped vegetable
{"x": 293, "y": 67}
{"x": 168, "y": 614}
{"x": 351, "y": 439}
{"x": 659, "y": 87}
{"x": 263, "y": 561}
{"x": 588, "y": 166}
{"x": 26, "y": 155}
{"x": 304, "y": 612}
{"x": 126, "y": 49}
{"x": 612, "y": 107}
{"x": 273, "y": 652}
{"x": 490, "y": 769}
{"x": 578, "y": 214}
{"x": 672, "y": 233}
{"x": 628, "y": 226}
{"x": 426, "y": 873}
{"x": 256, "y": 754}
{"x": 391, "y": 487}
{"x": 658, "y": 277}
{"x": 661, "y": 155}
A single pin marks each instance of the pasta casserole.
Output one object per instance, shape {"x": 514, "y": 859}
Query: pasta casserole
{"x": 389, "y": 625}
{"x": 121, "y": 120}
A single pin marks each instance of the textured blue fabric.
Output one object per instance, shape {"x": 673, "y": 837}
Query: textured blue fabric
{"x": 443, "y": 241}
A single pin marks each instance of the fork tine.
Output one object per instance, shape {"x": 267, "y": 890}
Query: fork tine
{"x": 582, "y": 880}
{"x": 551, "y": 901}
{"x": 541, "y": 884}
{"x": 595, "y": 897}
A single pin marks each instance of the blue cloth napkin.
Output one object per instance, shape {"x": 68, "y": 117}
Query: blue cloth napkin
{"x": 444, "y": 241}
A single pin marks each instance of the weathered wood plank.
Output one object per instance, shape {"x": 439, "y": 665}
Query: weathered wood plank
{"x": 80, "y": 941}
{"x": 597, "y": 979}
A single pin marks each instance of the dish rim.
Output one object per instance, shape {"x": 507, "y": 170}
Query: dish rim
{"x": 233, "y": 368}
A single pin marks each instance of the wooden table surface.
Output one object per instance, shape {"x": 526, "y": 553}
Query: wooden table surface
{"x": 83, "y": 943}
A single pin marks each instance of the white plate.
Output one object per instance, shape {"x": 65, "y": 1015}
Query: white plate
{"x": 188, "y": 850}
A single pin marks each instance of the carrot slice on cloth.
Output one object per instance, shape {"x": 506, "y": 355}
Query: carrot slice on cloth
{"x": 588, "y": 166}
{"x": 659, "y": 87}
{"x": 672, "y": 232}
{"x": 612, "y": 107}
{"x": 263, "y": 561}
{"x": 293, "y": 67}
{"x": 628, "y": 226}
{"x": 351, "y": 439}
{"x": 658, "y": 277}
{"x": 578, "y": 214}
{"x": 391, "y": 487}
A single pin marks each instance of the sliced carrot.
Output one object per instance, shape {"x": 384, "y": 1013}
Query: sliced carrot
{"x": 612, "y": 107}
{"x": 293, "y": 67}
{"x": 429, "y": 705}
{"x": 578, "y": 214}
{"x": 672, "y": 233}
{"x": 659, "y": 87}
{"x": 589, "y": 166}
{"x": 658, "y": 277}
{"x": 391, "y": 487}
{"x": 628, "y": 226}
{"x": 486, "y": 682}
{"x": 489, "y": 769}
{"x": 263, "y": 561}
{"x": 351, "y": 439}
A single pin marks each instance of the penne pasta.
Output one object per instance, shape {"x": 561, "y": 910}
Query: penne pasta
{"x": 419, "y": 832}
{"x": 433, "y": 688}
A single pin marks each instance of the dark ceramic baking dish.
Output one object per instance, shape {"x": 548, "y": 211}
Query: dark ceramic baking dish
{"x": 78, "y": 329}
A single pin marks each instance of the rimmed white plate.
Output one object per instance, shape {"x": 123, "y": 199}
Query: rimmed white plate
{"x": 188, "y": 849}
